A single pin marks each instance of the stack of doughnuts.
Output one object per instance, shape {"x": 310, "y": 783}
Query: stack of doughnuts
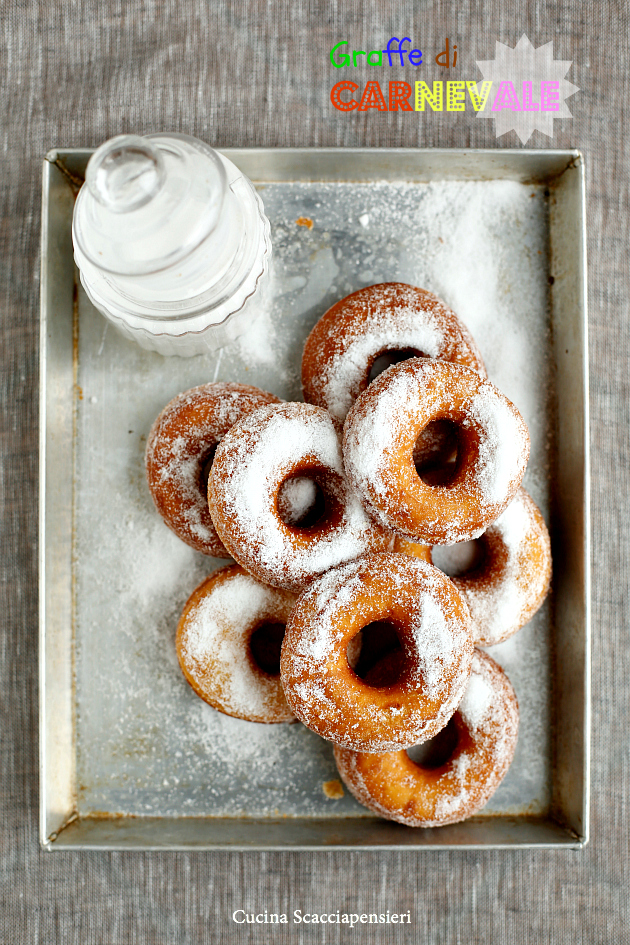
{"x": 334, "y": 510}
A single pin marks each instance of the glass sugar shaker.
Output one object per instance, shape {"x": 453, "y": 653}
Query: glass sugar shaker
{"x": 172, "y": 242}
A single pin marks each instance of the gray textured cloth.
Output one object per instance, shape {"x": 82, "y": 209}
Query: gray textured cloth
{"x": 255, "y": 73}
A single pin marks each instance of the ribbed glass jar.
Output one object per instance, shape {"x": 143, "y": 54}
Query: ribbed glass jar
{"x": 172, "y": 242}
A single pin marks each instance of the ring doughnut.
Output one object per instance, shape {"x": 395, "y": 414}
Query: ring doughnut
{"x": 433, "y": 626}
{"x": 180, "y": 449}
{"x": 386, "y": 319}
{"x": 255, "y": 459}
{"x": 511, "y": 580}
{"x": 486, "y": 729}
{"x": 215, "y": 645}
{"x": 378, "y": 444}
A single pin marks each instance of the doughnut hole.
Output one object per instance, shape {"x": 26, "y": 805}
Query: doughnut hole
{"x": 386, "y": 358}
{"x": 264, "y": 646}
{"x": 437, "y": 751}
{"x": 376, "y": 655}
{"x": 205, "y": 465}
{"x": 436, "y": 452}
{"x": 311, "y": 499}
{"x": 461, "y": 558}
{"x": 301, "y": 502}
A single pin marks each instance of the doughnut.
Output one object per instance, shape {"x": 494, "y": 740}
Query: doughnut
{"x": 403, "y": 546}
{"x": 482, "y": 735}
{"x": 255, "y": 459}
{"x": 228, "y": 645}
{"x": 432, "y": 624}
{"x": 505, "y": 588}
{"x": 180, "y": 449}
{"x": 388, "y": 319}
{"x": 380, "y": 433}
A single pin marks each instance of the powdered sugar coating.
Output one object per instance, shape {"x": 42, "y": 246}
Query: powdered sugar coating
{"x": 347, "y": 340}
{"x": 396, "y": 788}
{"x": 495, "y": 467}
{"x": 433, "y": 625}
{"x": 213, "y": 645}
{"x": 506, "y": 589}
{"x": 181, "y": 442}
{"x": 380, "y": 434}
{"x": 253, "y": 461}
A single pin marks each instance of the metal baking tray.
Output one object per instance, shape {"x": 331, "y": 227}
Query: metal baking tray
{"x": 130, "y": 757}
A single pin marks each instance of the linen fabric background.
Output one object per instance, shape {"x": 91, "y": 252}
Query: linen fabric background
{"x": 257, "y": 73}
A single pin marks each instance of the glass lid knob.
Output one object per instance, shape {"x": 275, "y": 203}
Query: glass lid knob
{"x": 125, "y": 173}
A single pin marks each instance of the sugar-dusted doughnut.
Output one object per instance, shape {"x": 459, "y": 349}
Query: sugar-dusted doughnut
{"x": 180, "y": 451}
{"x": 228, "y": 645}
{"x": 485, "y": 729}
{"x": 386, "y": 319}
{"x": 253, "y": 462}
{"x": 433, "y": 626}
{"x": 509, "y": 581}
{"x": 380, "y": 435}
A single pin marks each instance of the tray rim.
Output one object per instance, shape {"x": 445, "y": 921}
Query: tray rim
{"x": 557, "y": 161}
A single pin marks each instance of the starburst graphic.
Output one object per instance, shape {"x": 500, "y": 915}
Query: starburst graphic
{"x": 528, "y": 88}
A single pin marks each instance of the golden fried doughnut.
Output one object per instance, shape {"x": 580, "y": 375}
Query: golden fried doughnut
{"x": 228, "y": 645}
{"x": 485, "y": 727}
{"x": 432, "y": 624}
{"x": 380, "y": 434}
{"x": 386, "y": 319}
{"x": 505, "y": 588}
{"x": 261, "y": 453}
{"x": 180, "y": 450}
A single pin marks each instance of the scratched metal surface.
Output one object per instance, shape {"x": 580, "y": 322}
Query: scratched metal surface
{"x": 146, "y": 744}
{"x": 246, "y": 75}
